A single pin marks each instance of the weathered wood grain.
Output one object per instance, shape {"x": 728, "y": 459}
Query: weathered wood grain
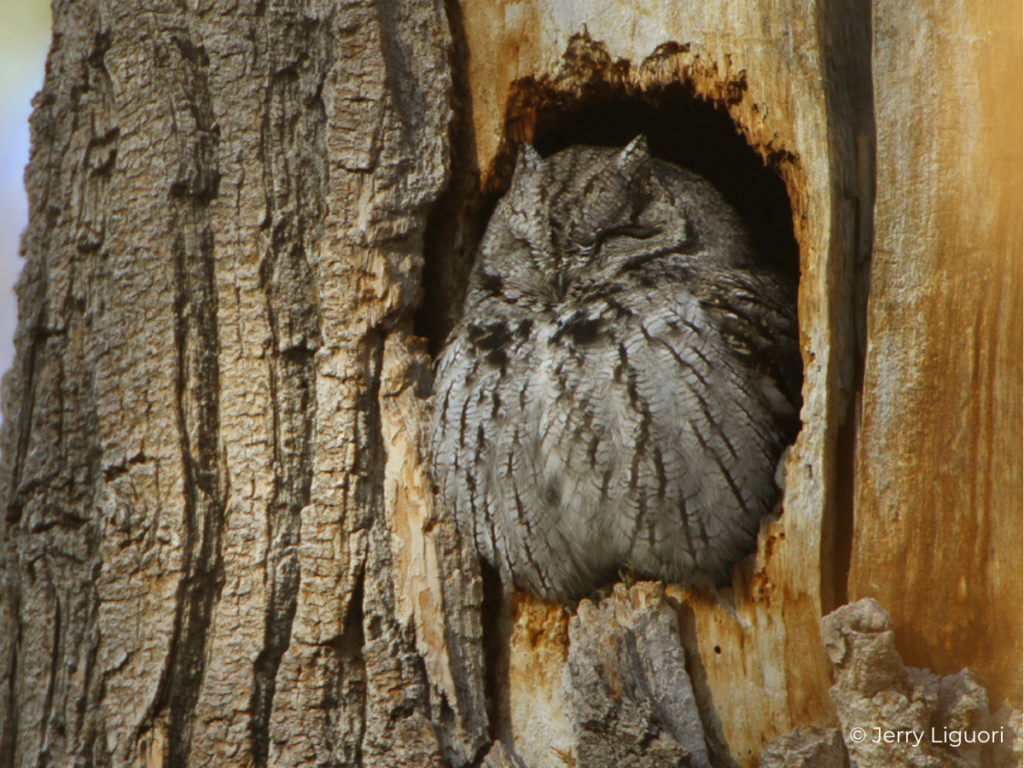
{"x": 938, "y": 527}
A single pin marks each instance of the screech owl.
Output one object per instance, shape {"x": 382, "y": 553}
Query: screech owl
{"x": 623, "y": 380}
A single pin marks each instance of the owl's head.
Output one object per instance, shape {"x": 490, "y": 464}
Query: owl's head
{"x": 592, "y": 215}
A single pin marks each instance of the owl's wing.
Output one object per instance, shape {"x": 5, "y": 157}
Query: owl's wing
{"x": 755, "y": 313}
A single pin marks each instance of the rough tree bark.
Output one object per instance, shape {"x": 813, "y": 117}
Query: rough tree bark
{"x": 219, "y": 541}
{"x": 228, "y": 204}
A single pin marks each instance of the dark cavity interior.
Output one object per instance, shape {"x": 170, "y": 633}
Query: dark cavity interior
{"x": 699, "y": 136}
{"x": 680, "y": 127}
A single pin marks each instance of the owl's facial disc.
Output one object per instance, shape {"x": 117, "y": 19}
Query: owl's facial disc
{"x": 615, "y": 216}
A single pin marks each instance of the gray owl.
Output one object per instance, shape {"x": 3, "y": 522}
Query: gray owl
{"x": 623, "y": 380}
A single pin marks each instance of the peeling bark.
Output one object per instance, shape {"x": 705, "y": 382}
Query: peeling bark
{"x": 898, "y": 716}
{"x": 631, "y": 699}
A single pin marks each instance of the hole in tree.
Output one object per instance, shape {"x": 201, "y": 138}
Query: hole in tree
{"x": 697, "y": 135}
{"x": 681, "y": 128}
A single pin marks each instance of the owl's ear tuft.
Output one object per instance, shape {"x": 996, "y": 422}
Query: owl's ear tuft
{"x": 634, "y": 154}
{"x": 528, "y": 161}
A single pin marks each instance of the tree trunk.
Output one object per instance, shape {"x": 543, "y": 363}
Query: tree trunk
{"x": 250, "y": 226}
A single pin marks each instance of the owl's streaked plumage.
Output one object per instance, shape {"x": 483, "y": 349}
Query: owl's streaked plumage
{"x": 623, "y": 380}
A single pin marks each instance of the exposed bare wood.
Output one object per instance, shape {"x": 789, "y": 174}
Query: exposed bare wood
{"x": 938, "y": 528}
